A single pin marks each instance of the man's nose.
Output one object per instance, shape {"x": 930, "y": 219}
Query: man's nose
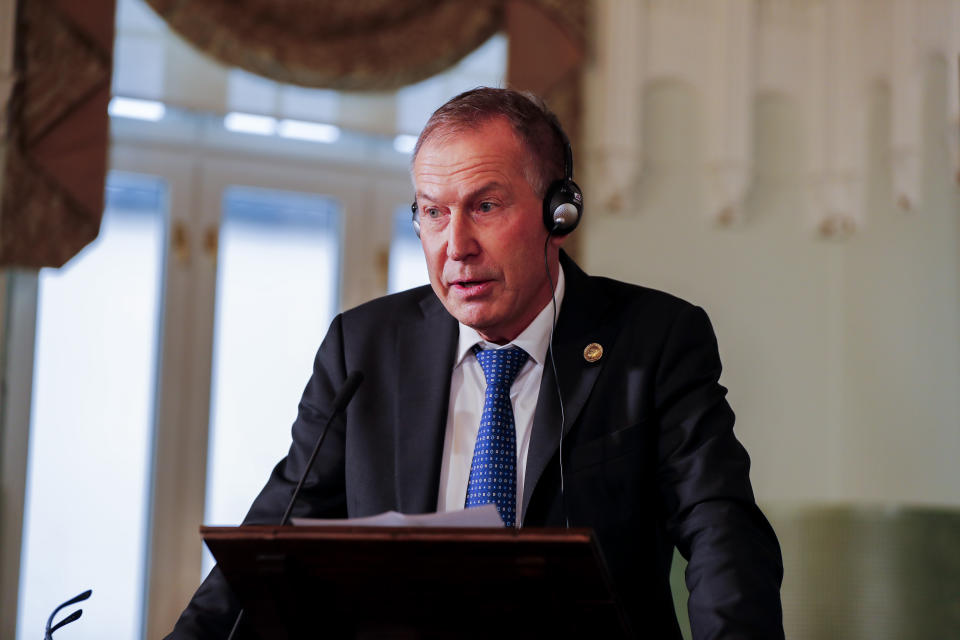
{"x": 461, "y": 238}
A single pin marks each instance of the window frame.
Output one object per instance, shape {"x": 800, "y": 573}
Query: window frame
{"x": 197, "y": 178}
{"x": 197, "y": 166}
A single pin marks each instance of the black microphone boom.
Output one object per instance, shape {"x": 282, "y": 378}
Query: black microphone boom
{"x": 340, "y": 403}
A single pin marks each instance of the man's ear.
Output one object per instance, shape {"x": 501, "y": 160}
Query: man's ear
{"x": 557, "y": 241}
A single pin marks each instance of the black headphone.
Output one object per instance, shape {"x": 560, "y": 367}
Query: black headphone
{"x": 562, "y": 203}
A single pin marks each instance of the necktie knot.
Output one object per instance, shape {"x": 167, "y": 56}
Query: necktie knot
{"x": 500, "y": 366}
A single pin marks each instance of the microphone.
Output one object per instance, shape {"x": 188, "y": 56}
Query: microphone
{"x": 340, "y": 402}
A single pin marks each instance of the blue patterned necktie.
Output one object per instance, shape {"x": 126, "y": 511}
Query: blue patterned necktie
{"x": 493, "y": 471}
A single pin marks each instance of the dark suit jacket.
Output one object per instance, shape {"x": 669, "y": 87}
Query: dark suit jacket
{"x": 649, "y": 456}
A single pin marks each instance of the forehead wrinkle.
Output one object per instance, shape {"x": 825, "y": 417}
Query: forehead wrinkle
{"x": 453, "y": 169}
{"x": 462, "y": 175}
{"x": 492, "y": 185}
{"x": 461, "y": 152}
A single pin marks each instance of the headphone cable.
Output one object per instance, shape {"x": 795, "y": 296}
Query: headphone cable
{"x": 556, "y": 378}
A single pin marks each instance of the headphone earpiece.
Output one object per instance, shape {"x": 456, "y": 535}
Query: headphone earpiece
{"x": 416, "y": 222}
{"x": 563, "y": 201}
{"x": 562, "y": 207}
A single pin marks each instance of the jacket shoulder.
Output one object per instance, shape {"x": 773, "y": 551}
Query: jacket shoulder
{"x": 638, "y": 297}
{"x": 393, "y": 306}
{"x": 614, "y": 295}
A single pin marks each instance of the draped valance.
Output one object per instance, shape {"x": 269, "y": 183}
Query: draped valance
{"x": 356, "y": 45}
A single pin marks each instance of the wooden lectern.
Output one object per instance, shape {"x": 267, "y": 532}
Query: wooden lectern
{"x": 417, "y": 582}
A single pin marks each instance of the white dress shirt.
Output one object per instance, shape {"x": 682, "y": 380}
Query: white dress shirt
{"x": 467, "y": 390}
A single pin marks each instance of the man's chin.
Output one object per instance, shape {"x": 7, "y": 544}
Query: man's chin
{"x": 475, "y": 315}
{"x": 471, "y": 318}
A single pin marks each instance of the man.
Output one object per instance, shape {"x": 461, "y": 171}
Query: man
{"x": 648, "y": 458}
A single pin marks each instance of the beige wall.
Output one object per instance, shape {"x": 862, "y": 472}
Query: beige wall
{"x": 842, "y": 356}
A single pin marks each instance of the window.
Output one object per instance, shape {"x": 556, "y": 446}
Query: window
{"x": 278, "y": 271}
{"x": 85, "y": 521}
{"x": 408, "y": 268}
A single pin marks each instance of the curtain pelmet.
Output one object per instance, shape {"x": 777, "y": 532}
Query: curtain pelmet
{"x": 357, "y": 45}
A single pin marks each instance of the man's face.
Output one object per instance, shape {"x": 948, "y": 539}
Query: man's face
{"x": 482, "y": 231}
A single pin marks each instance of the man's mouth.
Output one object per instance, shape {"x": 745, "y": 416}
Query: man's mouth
{"x": 470, "y": 286}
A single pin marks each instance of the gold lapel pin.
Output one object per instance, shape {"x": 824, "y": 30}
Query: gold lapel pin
{"x": 592, "y": 352}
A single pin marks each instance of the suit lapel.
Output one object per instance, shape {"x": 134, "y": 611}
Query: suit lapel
{"x": 425, "y": 352}
{"x": 579, "y": 324}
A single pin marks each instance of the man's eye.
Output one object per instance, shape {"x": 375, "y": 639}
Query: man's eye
{"x": 487, "y": 207}
{"x": 432, "y": 212}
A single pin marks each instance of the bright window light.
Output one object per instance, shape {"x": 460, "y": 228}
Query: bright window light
{"x": 404, "y": 143}
{"x": 250, "y": 123}
{"x": 313, "y": 131}
{"x": 137, "y": 109}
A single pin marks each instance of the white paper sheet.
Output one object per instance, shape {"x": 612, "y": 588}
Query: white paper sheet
{"x": 485, "y": 516}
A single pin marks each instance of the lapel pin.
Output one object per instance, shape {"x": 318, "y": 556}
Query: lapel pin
{"x": 592, "y": 352}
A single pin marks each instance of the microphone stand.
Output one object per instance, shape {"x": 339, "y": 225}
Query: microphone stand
{"x": 340, "y": 402}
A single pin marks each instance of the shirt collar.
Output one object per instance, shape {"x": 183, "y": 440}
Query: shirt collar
{"x": 534, "y": 339}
